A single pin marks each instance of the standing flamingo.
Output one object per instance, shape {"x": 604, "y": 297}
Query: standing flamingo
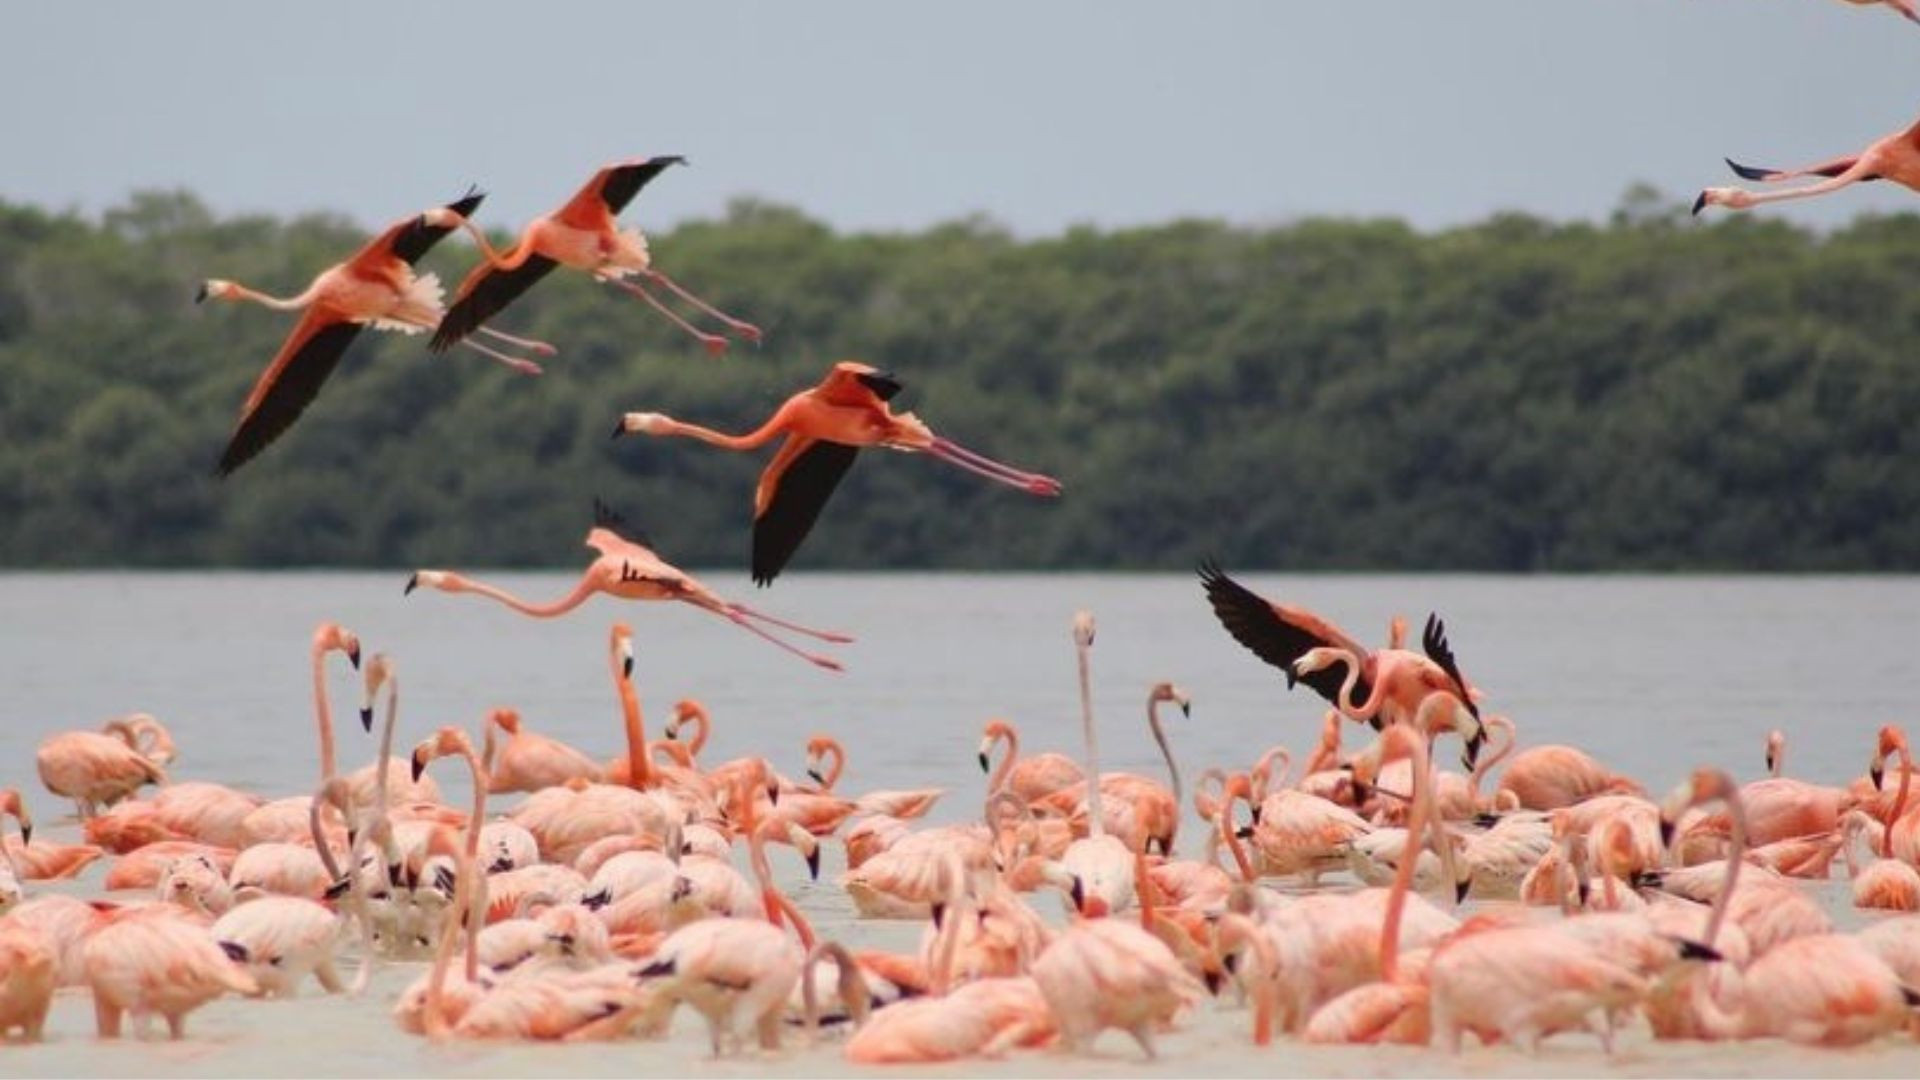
{"x": 825, "y": 428}
{"x": 528, "y": 760}
{"x": 1033, "y": 777}
{"x": 96, "y": 769}
{"x": 583, "y": 235}
{"x": 1140, "y": 807}
{"x": 1552, "y": 776}
{"x": 149, "y": 960}
{"x": 1099, "y": 864}
{"x": 1894, "y": 157}
{"x": 377, "y": 288}
{"x": 29, "y": 973}
{"x": 627, "y": 568}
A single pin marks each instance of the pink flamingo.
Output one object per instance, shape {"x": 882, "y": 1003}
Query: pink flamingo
{"x": 470, "y": 884}
{"x": 1552, "y": 776}
{"x": 281, "y": 940}
{"x": 28, "y": 975}
{"x": 627, "y": 568}
{"x": 147, "y": 960}
{"x": 95, "y": 769}
{"x": 908, "y": 804}
{"x": 1152, "y": 809}
{"x": 583, "y": 235}
{"x": 1894, "y": 157}
{"x": 1393, "y": 682}
{"x": 42, "y": 861}
{"x": 1523, "y": 983}
{"x": 826, "y": 426}
{"x": 142, "y": 868}
{"x": 1033, "y": 777}
{"x": 196, "y": 883}
{"x": 986, "y": 1017}
{"x": 529, "y": 761}
{"x": 1105, "y": 973}
{"x": 376, "y": 287}
{"x": 1882, "y": 884}
{"x": 1099, "y": 865}
{"x": 386, "y": 780}
{"x": 210, "y": 813}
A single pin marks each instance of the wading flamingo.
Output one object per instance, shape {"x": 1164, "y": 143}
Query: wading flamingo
{"x": 1391, "y": 683}
{"x": 527, "y": 760}
{"x": 909, "y": 804}
{"x": 1894, "y": 157}
{"x": 96, "y": 768}
{"x": 628, "y": 569}
{"x": 1552, "y": 776}
{"x": 29, "y": 972}
{"x": 583, "y": 235}
{"x": 396, "y": 784}
{"x": 470, "y": 883}
{"x": 1033, "y": 777}
{"x": 377, "y": 288}
{"x": 156, "y": 959}
{"x": 1099, "y": 866}
{"x": 1146, "y": 809}
{"x": 1881, "y": 884}
{"x": 42, "y": 861}
{"x": 825, "y": 428}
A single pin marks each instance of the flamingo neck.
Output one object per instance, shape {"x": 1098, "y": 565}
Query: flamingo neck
{"x": 434, "y": 1019}
{"x": 1143, "y": 885}
{"x": 1899, "y": 800}
{"x": 320, "y": 846}
{"x": 574, "y": 599}
{"x": 323, "y": 716}
{"x": 469, "y": 876}
{"x": 751, "y": 440}
{"x": 1416, "y": 821}
{"x": 1736, "y": 854}
{"x": 1362, "y": 713}
{"x": 1166, "y": 751}
{"x": 290, "y": 303}
{"x": 1487, "y": 762}
{"x": 839, "y": 763}
{"x": 495, "y": 258}
{"x": 702, "y": 722}
{"x": 382, "y": 763}
{"x": 1262, "y": 775}
{"x": 639, "y": 767}
{"x": 1223, "y": 825}
{"x": 1005, "y": 769}
{"x": 1096, "y": 824}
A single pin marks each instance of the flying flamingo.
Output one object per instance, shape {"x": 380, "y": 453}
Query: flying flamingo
{"x": 1033, "y": 777}
{"x": 149, "y": 960}
{"x": 1894, "y": 157}
{"x": 529, "y": 761}
{"x": 825, "y": 428}
{"x": 583, "y": 235}
{"x": 96, "y": 769}
{"x": 1904, "y": 7}
{"x": 627, "y": 568}
{"x": 1391, "y": 684}
{"x": 377, "y": 288}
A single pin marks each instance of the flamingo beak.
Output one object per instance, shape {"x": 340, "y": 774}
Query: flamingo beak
{"x": 353, "y": 656}
{"x": 338, "y": 889}
{"x": 419, "y": 766}
{"x": 1214, "y": 981}
{"x": 366, "y": 718}
{"x": 1186, "y": 709}
{"x": 596, "y": 900}
{"x": 939, "y": 912}
{"x": 1461, "y": 889}
{"x": 26, "y": 833}
{"x": 1878, "y": 774}
{"x": 1769, "y": 761}
{"x": 1699, "y": 204}
{"x": 984, "y": 767}
{"x": 619, "y": 427}
{"x": 1695, "y": 950}
{"x": 813, "y": 865}
{"x": 1666, "y": 831}
{"x": 1474, "y": 742}
{"x": 1584, "y": 890}
{"x": 200, "y": 297}
{"x": 817, "y": 778}
{"x": 1078, "y": 892}
{"x": 773, "y": 793}
{"x": 1486, "y": 820}
{"x": 412, "y": 584}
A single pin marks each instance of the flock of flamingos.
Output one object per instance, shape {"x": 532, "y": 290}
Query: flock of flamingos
{"x": 609, "y": 897}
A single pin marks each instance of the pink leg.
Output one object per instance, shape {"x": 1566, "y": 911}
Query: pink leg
{"x": 823, "y": 635}
{"x": 744, "y": 329}
{"x": 524, "y": 367}
{"x": 539, "y": 348}
{"x": 955, "y": 454}
{"x": 716, "y": 345}
{"x": 821, "y": 661}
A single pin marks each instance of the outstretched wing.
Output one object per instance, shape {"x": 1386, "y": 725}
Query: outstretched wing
{"x": 1826, "y": 168}
{"x": 606, "y": 517}
{"x": 1280, "y": 635}
{"x": 409, "y": 239}
{"x": 486, "y": 293}
{"x": 1433, "y": 639}
{"x": 799, "y": 492}
{"x": 616, "y": 185}
{"x": 289, "y": 385}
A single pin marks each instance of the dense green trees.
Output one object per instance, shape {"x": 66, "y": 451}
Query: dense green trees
{"x": 1515, "y": 395}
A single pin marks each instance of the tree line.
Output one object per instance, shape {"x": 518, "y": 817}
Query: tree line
{"x": 1645, "y": 393}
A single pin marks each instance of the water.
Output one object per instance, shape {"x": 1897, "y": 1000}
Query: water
{"x": 1651, "y": 674}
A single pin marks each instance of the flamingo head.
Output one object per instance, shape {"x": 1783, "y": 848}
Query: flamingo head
{"x": 1891, "y": 741}
{"x": 443, "y": 580}
{"x": 442, "y": 217}
{"x": 1314, "y": 660}
{"x": 216, "y": 289}
{"x": 643, "y": 423}
{"x": 1776, "y": 743}
{"x": 1732, "y": 198}
{"x": 448, "y": 740}
{"x": 622, "y": 639}
{"x": 1705, "y": 785}
{"x": 10, "y": 803}
{"x": 809, "y": 848}
{"x": 1083, "y": 629}
{"x": 378, "y": 671}
{"x": 1166, "y": 691}
{"x": 507, "y": 719}
{"x": 332, "y": 637}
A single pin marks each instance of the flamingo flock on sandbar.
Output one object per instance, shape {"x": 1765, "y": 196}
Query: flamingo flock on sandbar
{"x": 1369, "y": 895}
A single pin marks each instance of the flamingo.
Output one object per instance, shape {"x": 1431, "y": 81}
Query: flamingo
{"x": 375, "y": 287}
{"x": 1104, "y": 973}
{"x": 1522, "y": 983}
{"x": 1151, "y": 810}
{"x": 529, "y": 761}
{"x": 147, "y": 960}
{"x": 982, "y": 1017}
{"x": 1883, "y": 884}
{"x": 210, "y": 813}
{"x": 386, "y": 780}
{"x": 1904, "y": 7}
{"x": 1552, "y": 776}
{"x": 96, "y": 769}
{"x": 470, "y": 898}
{"x": 910, "y": 804}
{"x": 825, "y": 428}
{"x": 627, "y": 568}
{"x": 197, "y": 883}
{"x": 1099, "y": 865}
{"x": 281, "y": 940}
{"x": 42, "y": 861}
{"x": 582, "y": 235}
{"x": 143, "y": 869}
{"x": 681, "y": 789}
{"x": 1033, "y": 777}
{"x": 28, "y": 975}
{"x": 1894, "y": 157}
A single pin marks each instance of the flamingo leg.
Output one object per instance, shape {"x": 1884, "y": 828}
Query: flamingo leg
{"x": 953, "y": 453}
{"x": 823, "y": 635}
{"x": 819, "y": 661}
{"x": 744, "y": 329}
{"x": 524, "y": 367}
{"x": 715, "y": 344}
{"x": 539, "y": 348}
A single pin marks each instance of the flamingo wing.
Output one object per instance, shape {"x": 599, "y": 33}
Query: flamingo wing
{"x": 799, "y": 492}
{"x": 289, "y": 384}
{"x": 1280, "y": 634}
{"x": 486, "y": 293}
{"x": 1826, "y": 168}
{"x": 1434, "y": 640}
{"x": 408, "y": 240}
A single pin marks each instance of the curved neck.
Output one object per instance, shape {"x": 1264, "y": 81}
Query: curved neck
{"x": 1736, "y": 854}
{"x": 1851, "y": 827}
{"x": 1416, "y": 744}
{"x": 1223, "y": 824}
{"x": 323, "y": 716}
{"x": 1480, "y": 771}
{"x": 1096, "y": 823}
{"x": 291, "y": 303}
{"x": 758, "y": 437}
{"x": 1262, "y": 775}
{"x": 497, "y": 259}
{"x": 574, "y": 599}
{"x": 1358, "y": 712}
{"x": 470, "y": 877}
{"x": 1899, "y": 800}
{"x": 839, "y": 762}
{"x": 639, "y": 767}
{"x": 778, "y": 907}
{"x": 1327, "y": 754}
{"x": 1144, "y": 892}
{"x": 702, "y": 724}
{"x": 315, "y": 807}
{"x": 434, "y": 1012}
{"x": 1160, "y": 737}
{"x": 1005, "y": 769}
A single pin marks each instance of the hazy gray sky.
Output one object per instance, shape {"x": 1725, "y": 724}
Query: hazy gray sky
{"x": 889, "y": 114}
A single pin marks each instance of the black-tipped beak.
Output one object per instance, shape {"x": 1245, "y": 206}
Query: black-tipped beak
{"x": 626, "y": 667}
{"x": 353, "y": 657}
{"x": 1461, "y": 889}
{"x": 817, "y": 778}
{"x": 1214, "y": 981}
{"x": 366, "y": 719}
{"x": 1474, "y": 744}
{"x": 939, "y": 912}
{"x": 1878, "y": 775}
{"x": 1696, "y": 950}
{"x": 1079, "y": 894}
{"x": 984, "y": 767}
{"x": 1666, "y": 832}
{"x": 1584, "y": 891}
{"x": 1769, "y": 761}
{"x": 419, "y": 766}
{"x": 235, "y": 951}
{"x": 412, "y": 584}
{"x": 1186, "y": 709}
{"x": 1362, "y": 791}
{"x": 813, "y": 865}
{"x": 1486, "y": 820}
{"x": 1231, "y": 962}
{"x": 619, "y": 427}
{"x": 773, "y": 794}
{"x": 338, "y": 889}
{"x": 1245, "y": 832}
{"x": 26, "y": 834}
{"x": 682, "y": 888}
{"x": 597, "y": 900}
{"x": 1699, "y": 204}
{"x": 200, "y": 295}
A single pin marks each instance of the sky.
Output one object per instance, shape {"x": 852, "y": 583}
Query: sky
{"x": 883, "y": 114}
